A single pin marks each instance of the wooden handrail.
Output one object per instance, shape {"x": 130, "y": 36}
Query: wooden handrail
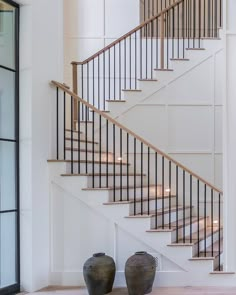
{"x": 127, "y": 34}
{"x": 151, "y": 146}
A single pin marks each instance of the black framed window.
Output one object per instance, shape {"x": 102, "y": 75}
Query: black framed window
{"x": 9, "y": 148}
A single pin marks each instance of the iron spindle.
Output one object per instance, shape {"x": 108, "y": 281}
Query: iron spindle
{"x": 198, "y": 219}
{"x": 141, "y": 178}
{"x": 191, "y": 208}
{"x": 100, "y": 151}
{"x": 134, "y": 176}
{"x": 57, "y": 119}
{"x": 148, "y": 180}
{"x": 177, "y": 204}
{"x": 170, "y": 191}
{"x": 93, "y": 149}
{"x": 212, "y": 224}
{"x": 114, "y": 162}
{"x": 79, "y": 128}
{"x": 64, "y": 123}
{"x": 127, "y": 167}
{"x": 184, "y": 208}
{"x": 219, "y": 234}
{"x": 163, "y": 193}
{"x": 107, "y": 148}
{"x": 71, "y": 134}
{"x": 121, "y": 162}
{"x": 156, "y": 193}
{"x": 205, "y": 221}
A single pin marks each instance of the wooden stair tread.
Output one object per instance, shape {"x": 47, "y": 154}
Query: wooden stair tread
{"x": 132, "y": 90}
{"x": 190, "y": 48}
{"x": 74, "y": 131}
{"x": 118, "y": 187}
{"x": 115, "y": 100}
{"x": 173, "y": 224}
{"x": 82, "y": 140}
{"x": 164, "y": 70}
{"x": 102, "y": 174}
{"x": 208, "y": 254}
{"x": 201, "y": 235}
{"x": 88, "y": 161}
{"x": 138, "y": 200}
{"x": 152, "y": 213}
{"x": 180, "y": 59}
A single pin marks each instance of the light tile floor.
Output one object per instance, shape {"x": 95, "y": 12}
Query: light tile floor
{"x": 158, "y": 291}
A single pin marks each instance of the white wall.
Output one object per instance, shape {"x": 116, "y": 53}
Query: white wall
{"x": 229, "y": 134}
{"x": 184, "y": 117}
{"x": 41, "y": 60}
{"x": 92, "y": 24}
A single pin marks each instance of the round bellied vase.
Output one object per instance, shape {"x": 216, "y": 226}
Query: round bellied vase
{"x": 99, "y": 274}
{"x": 140, "y": 271}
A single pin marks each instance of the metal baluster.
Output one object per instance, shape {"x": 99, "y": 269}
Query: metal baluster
{"x": 141, "y": 178}
{"x": 71, "y": 134}
{"x": 107, "y": 155}
{"x": 121, "y": 163}
{"x": 219, "y": 233}
{"x": 64, "y": 124}
{"x": 130, "y": 61}
{"x": 100, "y": 151}
{"x": 93, "y": 149}
{"x": 184, "y": 208}
{"x": 212, "y": 223}
{"x": 79, "y": 128}
{"x": 163, "y": 193}
{"x": 148, "y": 180}
{"x": 127, "y": 167}
{"x": 99, "y": 82}
{"x": 104, "y": 80}
{"x": 119, "y": 70}
{"x": 125, "y": 63}
{"x": 114, "y": 163}
{"x": 205, "y": 221}
{"x": 170, "y": 191}
{"x": 134, "y": 176}
{"x": 156, "y": 195}
{"x": 86, "y": 139}
{"x": 177, "y": 204}
{"x": 135, "y": 59}
{"x": 57, "y": 118}
{"x": 198, "y": 220}
{"x": 191, "y": 208}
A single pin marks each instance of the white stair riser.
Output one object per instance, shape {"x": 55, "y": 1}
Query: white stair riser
{"x": 187, "y": 231}
{"x": 216, "y": 261}
{"x": 208, "y": 243}
{"x": 166, "y": 218}
{"x": 109, "y": 181}
{"x": 152, "y": 204}
{"x": 90, "y": 168}
{"x": 82, "y": 145}
{"x": 131, "y": 192}
{"x": 82, "y": 155}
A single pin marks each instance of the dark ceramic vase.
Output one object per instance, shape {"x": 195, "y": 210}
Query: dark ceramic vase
{"x": 99, "y": 274}
{"x": 140, "y": 270}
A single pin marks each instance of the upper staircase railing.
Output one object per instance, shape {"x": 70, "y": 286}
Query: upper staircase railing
{"x": 148, "y": 48}
{"x": 134, "y": 171}
{"x": 211, "y": 12}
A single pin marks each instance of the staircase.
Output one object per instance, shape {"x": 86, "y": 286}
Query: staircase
{"x": 119, "y": 174}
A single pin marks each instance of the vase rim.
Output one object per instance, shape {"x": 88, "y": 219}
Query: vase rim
{"x": 140, "y": 253}
{"x": 98, "y": 254}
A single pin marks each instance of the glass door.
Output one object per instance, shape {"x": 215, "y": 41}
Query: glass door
{"x": 9, "y": 147}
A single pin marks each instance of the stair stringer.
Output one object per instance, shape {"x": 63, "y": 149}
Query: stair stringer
{"x": 194, "y": 273}
{"x": 149, "y": 88}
